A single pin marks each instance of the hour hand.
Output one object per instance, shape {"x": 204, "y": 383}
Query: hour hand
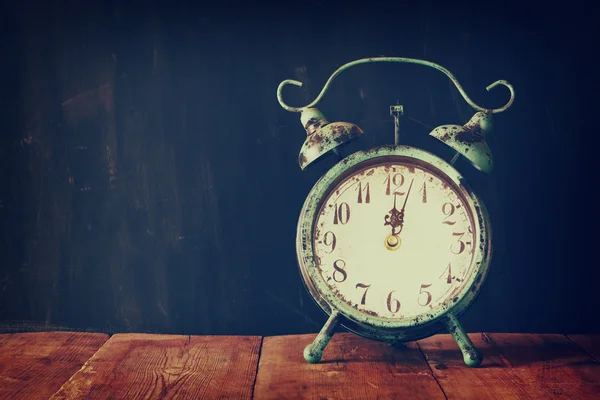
{"x": 396, "y": 219}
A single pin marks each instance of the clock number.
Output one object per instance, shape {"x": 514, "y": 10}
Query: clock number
{"x": 449, "y": 277}
{"x": 330, "y": 242}
{"x": 364, "y": 297}
{"x": 393, "y": 304}
{"x": 461, "y": 245}
{"x": 367, "y": 193}
{"x": 423, "y": 192}
{"x": 341, "y": 214}
{"x": 339, "y": 270}
{"x": 448, "y": 210}
{"x": 396, "y": 180}
{"x": 421, "y": 291}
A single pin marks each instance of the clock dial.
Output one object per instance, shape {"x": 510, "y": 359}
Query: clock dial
{"x": 394, "y": 240}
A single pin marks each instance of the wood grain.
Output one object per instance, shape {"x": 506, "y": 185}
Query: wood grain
{"x": 35, "y": 365}
{"x": 515, "y": 366}
{"x": 590, "y": 343}
{"x": 141, "y": 366}
{"x": 352, "y": 368}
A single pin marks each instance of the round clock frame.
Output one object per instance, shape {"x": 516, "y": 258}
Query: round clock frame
{"x": 368, "y": 324}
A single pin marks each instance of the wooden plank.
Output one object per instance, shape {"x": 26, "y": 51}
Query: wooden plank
{"x": 35, "y": 365}
{"x": 133, "y": 366}
{"x": 515, "y": 366}
{"x": 590, "y": 343}
{"x": 352, "y": 368}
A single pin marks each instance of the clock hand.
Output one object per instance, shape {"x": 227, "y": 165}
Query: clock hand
{"x": 405, "y": 199}
{"x": 395, "y": 218}
{"x": 403, "y": 207}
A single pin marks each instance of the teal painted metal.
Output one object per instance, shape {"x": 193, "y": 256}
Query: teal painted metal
{"x": 373, "y": 326}
{"x": 465, "y": 140}
{"x": 314, "y": 351}
{"x": 323, "y": 136}
{"x": 397, "y": 60}
{"x": 471, "y": 355}
{"x": 469, "y": 140}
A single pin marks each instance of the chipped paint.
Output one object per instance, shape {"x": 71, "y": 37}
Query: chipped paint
{"x": 323, "y": 136}
{"x": 469, "y": 140}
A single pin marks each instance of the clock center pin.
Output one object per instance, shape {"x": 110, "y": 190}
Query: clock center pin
{"x": 392, "y": 242}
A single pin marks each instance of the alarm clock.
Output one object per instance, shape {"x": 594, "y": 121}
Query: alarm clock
{"x": 392, "y": 242}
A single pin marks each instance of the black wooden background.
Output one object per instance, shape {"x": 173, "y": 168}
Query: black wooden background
{"x": 150, "y": 178}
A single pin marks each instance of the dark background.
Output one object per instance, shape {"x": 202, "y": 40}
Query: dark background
{"x": 150, "y": 179}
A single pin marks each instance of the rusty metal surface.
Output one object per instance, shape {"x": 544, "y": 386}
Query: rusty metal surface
{"x": 367, "y": 324}
{"x": 469, "y": 140}
{"x": 396, "y": 111}
{"x": 312, "y": 119}
{"x": 325, "y": 138}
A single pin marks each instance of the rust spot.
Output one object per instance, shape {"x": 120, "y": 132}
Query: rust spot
{"x": 372, "y": 313}
{"x": 441, "y": 366}
{"x": 312, "y": 121}
{"x": 315, "y": 138}
{"x": 445, "y": 137}
{"x": 302, "y": 159}
{"x": 470, "y": 135}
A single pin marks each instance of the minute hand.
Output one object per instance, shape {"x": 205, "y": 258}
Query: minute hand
{"x": 404, "y": 205}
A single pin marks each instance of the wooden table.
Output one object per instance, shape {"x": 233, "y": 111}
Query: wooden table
{"x": 72, "y": 365}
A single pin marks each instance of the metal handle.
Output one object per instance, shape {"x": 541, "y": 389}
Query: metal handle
{"x": 402, "y": 60}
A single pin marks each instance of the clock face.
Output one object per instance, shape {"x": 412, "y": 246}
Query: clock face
{"x": 394, "y": 240}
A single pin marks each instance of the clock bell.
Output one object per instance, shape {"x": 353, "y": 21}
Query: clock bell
{"x": 323, "y": 136}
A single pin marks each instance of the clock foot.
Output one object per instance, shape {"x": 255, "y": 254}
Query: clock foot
{"x": 314, "y": 351}
{"x": 471, "y": 355}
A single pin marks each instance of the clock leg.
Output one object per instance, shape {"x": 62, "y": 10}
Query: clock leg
{"x": 471, "y": 355}
{"x": 314, "y": 351}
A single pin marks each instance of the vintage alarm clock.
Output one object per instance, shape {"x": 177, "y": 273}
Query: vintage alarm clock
{"x": 392, "y": 243}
